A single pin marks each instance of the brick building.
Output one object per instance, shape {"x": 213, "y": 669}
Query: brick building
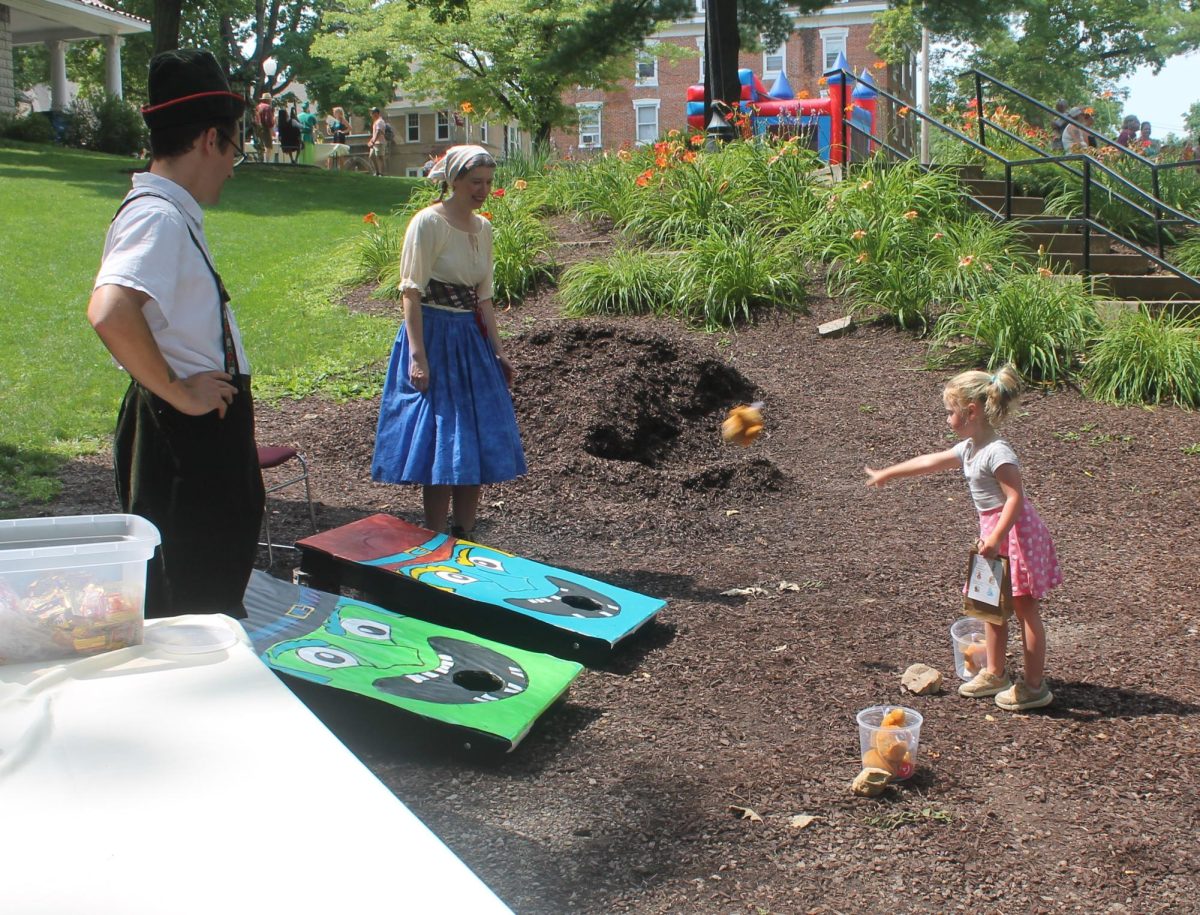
{"x": 422, "y": 128}
{"x": 655, "y": 99}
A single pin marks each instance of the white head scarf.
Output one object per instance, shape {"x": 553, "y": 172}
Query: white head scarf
{"x": 457, "y": 160}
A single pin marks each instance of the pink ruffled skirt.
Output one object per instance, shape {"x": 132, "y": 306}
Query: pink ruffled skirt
{"x": 1030, "y": 550}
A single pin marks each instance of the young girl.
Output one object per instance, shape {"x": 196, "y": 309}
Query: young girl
{"x": 976, "y": 403}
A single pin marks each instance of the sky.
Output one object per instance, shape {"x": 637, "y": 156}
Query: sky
{"x": 1163, "y": 99}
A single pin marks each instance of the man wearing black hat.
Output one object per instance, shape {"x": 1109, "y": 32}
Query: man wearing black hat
{"x": 184, "y": 446}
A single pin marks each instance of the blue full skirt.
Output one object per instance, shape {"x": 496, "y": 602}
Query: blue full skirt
{"x": 462, "y": 431}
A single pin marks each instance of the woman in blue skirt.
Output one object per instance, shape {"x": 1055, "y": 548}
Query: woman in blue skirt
{"x": 446, "y": 419}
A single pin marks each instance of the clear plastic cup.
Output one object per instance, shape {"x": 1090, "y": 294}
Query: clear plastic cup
{"x": 970, "y": 651}
{"x": 890, "y": 747}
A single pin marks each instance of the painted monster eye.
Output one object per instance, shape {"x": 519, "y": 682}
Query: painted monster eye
{"x": 487, "y": 562}
{"x": 326, "y": 656}
{"x": 367, "y": 629}
{"x": 456, "y": 578}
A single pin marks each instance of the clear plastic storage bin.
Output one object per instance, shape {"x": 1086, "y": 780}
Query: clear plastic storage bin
{"x": 72, "y": 586}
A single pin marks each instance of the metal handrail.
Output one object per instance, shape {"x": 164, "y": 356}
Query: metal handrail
{"x": 1087, "y": 224}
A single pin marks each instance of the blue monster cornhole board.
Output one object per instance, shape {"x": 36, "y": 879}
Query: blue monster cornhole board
{"x": 474, "y": 587}
{"x": 495, "y": 692}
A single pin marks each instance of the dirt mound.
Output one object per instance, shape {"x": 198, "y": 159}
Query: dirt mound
{"x": 635, "y": 409}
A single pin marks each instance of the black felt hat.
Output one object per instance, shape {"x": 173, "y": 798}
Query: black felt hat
{"x": 188, "y": 86}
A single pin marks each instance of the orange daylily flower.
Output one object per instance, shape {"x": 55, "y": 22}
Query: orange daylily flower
{"x": 486, "y": 215}
{"x": 823, "y": 81}
{"x": 879, "y": 65}
{"x": 689, "y": 156}
{"x": 866, "y": 185}
{"x": 624, "y": 155}
{"x": 1045, "y": 271}
{"x": 937, "y": 235}
{"x": 862, "y": 258}
{"x": 697, "y": 139}
{"x": 372, "y": 219}
{"x": 498, "y": 192}
{"x": 644, "y": 178}
{"x": 660, "y": 161}
{"x": 903, "y": 112}
{"x": 520, "y": 184}
{"x": 910, "y": 215}
{"x": 967, "y": 260}
{"x": 466, "y": 108}
{"x": 803, "y": 93}
{"x": 858, "y": 233}
{"x": 849, "y": 109}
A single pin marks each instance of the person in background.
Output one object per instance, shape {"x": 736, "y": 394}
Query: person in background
{"x": 1129, "y": 129}
{"x": 289, "y": 133}
{"x": 184, "y": 450}
{"x": 264, "y": 126}
{"x": 308, "y": 124}
{"x": 429, "y": 163}
{"x": 1146, "y": 145}
{"x": 339, "y": 125}
{"x": 1057, "y": 125}
{"x": 377, "y": 146}
{"x": 1075, "y": 138}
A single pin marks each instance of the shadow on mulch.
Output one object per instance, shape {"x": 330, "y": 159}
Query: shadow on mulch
{"x": 1094, "y": 701}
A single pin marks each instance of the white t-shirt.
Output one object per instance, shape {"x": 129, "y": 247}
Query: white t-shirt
{"x": 979, "y": 467}
{"x": 434, "y": 249}
{"x": 148, "y": 248}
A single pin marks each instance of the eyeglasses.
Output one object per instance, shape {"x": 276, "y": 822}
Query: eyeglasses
{"x": 239, "y": 153}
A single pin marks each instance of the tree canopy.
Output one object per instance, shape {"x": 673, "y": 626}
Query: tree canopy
{"x": 1050, "y": 49}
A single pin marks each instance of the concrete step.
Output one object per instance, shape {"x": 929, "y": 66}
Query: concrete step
{"x": 1157, "y": 288}
{"x": 1111, "y": 309}
{"x": 1021, "y": 206}
{"x": 983, "y": 187}
{"x": 1116, "y": 264}
{"x": 964, "y": 172}
{"x": 1064, "y": 242}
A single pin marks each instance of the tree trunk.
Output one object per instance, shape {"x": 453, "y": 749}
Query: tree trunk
{"x": 165, "y": 24}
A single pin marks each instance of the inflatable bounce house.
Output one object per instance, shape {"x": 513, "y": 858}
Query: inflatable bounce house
{"x": 822, "y": 120}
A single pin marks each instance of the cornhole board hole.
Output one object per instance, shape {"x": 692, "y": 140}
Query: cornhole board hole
{"x": 495, "y": 692}
{"x": 469, "y": 586}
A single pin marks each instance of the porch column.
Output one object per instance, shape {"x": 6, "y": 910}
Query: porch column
{"x": 112, "y": 65}
{"x": 8, "y": 95}
{"x": 58, "y": 75}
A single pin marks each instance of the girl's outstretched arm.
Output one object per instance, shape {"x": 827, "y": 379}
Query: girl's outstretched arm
{"x": 913, "y": 467}
{"x": 1009, "y": 478}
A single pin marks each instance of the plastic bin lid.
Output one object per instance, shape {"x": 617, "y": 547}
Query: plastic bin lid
{"x": 38, "y": 544}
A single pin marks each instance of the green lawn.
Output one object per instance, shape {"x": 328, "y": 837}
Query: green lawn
{"x": 276, "y": 237}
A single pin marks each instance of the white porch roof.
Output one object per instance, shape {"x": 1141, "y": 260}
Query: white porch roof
{"x": 37, "y": 21}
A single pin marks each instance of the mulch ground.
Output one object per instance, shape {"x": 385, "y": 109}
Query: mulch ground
{"x": 669, "y": 779}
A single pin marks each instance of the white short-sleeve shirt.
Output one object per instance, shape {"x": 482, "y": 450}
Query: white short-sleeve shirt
{"x": 979, "y": 467}
{"x": 148, "y": 248}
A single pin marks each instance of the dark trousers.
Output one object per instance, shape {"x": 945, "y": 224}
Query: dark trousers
{"x": 197, "y": 479}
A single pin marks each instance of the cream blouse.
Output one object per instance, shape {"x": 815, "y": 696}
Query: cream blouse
{"x": 434, "y": 249}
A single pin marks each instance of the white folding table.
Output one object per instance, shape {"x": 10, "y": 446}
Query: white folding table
{"x": 185, "y": 778}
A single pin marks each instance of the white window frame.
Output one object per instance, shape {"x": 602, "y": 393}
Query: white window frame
{"x": 512, "y": 141}
{"x": 441, "y": 132}
{"x": 412, "y": 172}
{"x": 591, "y": 108}
{"x": 700, "y": 48}
{"x": 645, "y": 56}
{"x": 769, "y": 74}
{"x": 833, "y": 41}
{"x": 412, "y": 125}
{"x": 640, "y": 105}
{"x": 483, "y": 133}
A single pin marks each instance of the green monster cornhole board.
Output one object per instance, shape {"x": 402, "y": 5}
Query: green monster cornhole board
{"x": 427, "y": 670}
{"x": 474, "y": 587}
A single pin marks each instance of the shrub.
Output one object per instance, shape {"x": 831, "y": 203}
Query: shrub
{"x": 105, "y": 123}
{"x": 522, "y": 247}
{"x": 682, "y": 204}
{"x": 731, "y": 272}
{"x": 374, "y": 256}
{"x": 1139, "y": 358}
{"x": 1187, "y": 255}
{"x": 629, "y": 282}
{"x": 1040, "y": 324}
{"x": 32, "y": 128}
